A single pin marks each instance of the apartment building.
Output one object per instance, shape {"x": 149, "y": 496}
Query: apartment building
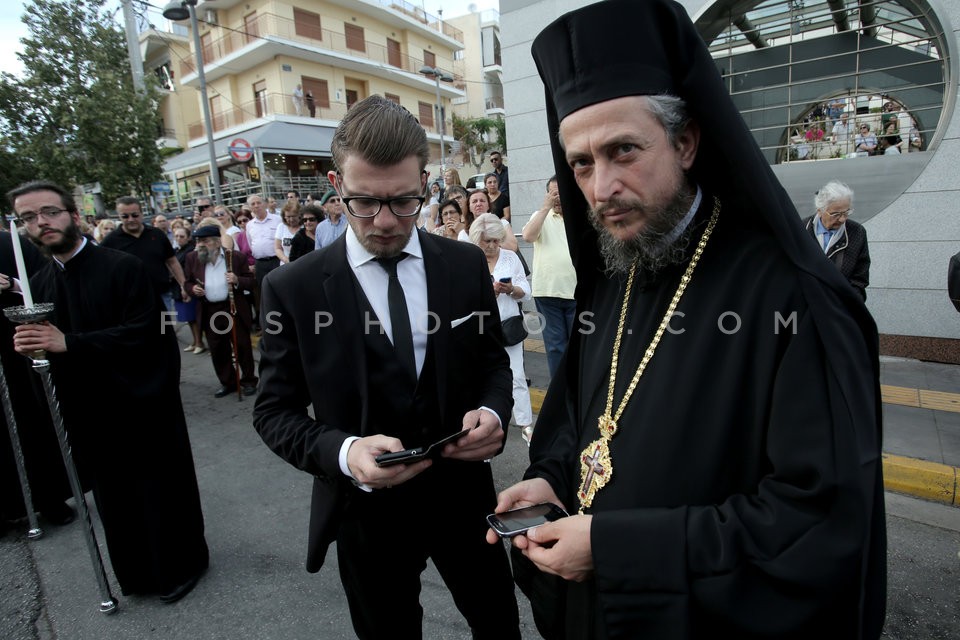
{"x": 280, "y": 75}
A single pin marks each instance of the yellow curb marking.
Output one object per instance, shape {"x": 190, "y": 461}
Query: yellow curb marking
{"x": 903, "y": 396}
{"x": 532, "y": 344}
{"x": 921, "y": 398}
{"x": 928, "y": 480}
{"x": 940, "y": 400}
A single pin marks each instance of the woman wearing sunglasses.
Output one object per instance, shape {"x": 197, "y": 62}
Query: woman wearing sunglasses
{"x": 305, "y": 240}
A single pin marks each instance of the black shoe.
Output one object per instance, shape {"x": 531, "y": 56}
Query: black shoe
{"x": 58, "y": 514}
{"x": 249, "y": 389}
{"x": 223, "y": 391}
{"x": 179, "y": 592}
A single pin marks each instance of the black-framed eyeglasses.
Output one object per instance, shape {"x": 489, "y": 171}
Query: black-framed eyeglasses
{"x": 845, "y": 214}
{"x": 124, "y": 216}
{"x": 310, "y": 219}
{"x": 369, "y": 207}
{"x": 48, "y": 213}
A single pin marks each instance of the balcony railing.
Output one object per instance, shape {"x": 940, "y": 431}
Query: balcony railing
{"x": 273, "y": 26}
{"x": 494, "y": 102}
{"x": 271, "y": 105}
{"x": 418, "y": 14}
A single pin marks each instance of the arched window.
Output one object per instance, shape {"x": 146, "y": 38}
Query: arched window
{"x": 795, "y": 67}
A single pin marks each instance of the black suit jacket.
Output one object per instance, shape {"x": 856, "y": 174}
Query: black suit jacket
{"x": 313, "y": 353}
{"x": 849, "y": 253}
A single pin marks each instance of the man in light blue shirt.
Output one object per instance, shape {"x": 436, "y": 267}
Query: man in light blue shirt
{"x": 335, "y": 223}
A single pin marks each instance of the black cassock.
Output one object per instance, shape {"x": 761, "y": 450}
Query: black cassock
{"x": 746, "y": 498}
{"x": 118, "y": 385}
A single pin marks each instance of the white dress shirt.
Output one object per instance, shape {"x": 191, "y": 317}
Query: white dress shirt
{"x": 215, "y": 280}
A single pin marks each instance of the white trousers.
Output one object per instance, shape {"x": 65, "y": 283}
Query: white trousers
{"x": 522, "y": 413}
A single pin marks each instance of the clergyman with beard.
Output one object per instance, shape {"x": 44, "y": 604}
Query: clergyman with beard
{"x": 108, "y": 330}
{"x": 714, "y": 430}
{"x": 211, "y": 274}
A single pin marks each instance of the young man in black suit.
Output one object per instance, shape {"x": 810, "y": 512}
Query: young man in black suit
{"x": 392, "y": 336}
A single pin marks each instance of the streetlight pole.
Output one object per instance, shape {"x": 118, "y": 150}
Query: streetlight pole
{"x": 181, "y": 11}
{"x": 438, "y": 75}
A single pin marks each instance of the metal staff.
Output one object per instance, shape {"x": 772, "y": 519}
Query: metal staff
{"x": 35, "y": 531}
{"x": 233, "y": 324}
{"x": 40, "y": 313}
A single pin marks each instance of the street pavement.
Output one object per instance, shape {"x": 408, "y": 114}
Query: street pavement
{"x": 256, "y": 511}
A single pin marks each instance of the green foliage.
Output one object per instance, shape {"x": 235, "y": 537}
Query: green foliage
{"x": 476, "y": 139}
{"x": 14, "y": 170}
{"x": 74, "y": 116}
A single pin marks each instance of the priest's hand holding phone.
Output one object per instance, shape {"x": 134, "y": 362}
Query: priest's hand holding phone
{"x": 561, "y": 547}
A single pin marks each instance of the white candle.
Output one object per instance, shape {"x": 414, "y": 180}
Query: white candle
{"x": 21, "y": 267}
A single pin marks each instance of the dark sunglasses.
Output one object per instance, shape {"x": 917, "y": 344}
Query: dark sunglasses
{"x": 124, "y": 216}
{"x": 309, "y": 219}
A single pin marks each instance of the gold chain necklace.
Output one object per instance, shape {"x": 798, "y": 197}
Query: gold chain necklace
{"x": 596, "y": 467}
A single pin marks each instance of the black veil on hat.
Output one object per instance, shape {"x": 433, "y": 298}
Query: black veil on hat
{"x": 619, "y": 48}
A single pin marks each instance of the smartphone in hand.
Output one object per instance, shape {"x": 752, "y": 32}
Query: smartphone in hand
{"x": 517, "y": 521}
{"x": 409, "y": 456}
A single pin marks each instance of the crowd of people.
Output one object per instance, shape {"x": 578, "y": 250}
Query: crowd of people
{"x": 835, "y": 129}
{"x": 705, "y": 493}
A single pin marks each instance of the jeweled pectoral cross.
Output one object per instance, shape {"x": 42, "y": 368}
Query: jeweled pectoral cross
{"x": 596, "y": 470}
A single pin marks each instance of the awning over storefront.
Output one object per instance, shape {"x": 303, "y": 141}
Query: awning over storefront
{"x": 274, "y": 137}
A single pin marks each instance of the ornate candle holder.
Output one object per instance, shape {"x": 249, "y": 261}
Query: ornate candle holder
{"x": 35, "y": 314}
{"x": 32, "y": 315}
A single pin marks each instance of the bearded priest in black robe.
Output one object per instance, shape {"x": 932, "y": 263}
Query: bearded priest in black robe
{"x": 108, "y": 334}
{"x": 715, "y": 427}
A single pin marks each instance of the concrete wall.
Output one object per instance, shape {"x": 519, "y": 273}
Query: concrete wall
{"x": 912, "y": 234}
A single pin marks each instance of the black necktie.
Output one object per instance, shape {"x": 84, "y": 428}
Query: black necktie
{"x": 399, "y": 318}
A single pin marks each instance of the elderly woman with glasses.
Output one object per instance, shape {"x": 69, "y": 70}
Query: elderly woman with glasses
{"x": 843, "y": 241}
{"x": 511, "y": 287}
{"x": 452, "y": 225}
{"x": 305, "y": 239}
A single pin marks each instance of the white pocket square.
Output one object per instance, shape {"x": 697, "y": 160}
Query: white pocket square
{"x": 459, "y": 321}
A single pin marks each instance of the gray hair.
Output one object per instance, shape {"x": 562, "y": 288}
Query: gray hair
{"x": 833, "y": 191}
{"x": 486, "y": 224}
{"x": 670, "y": 112}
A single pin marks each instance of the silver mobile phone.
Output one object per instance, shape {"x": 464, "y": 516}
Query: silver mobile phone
{"x": 517, "y": 521}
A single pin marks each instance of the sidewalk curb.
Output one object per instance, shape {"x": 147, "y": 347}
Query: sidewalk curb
{"x": 922, "y": 479}
{"x": 910, "y": 476}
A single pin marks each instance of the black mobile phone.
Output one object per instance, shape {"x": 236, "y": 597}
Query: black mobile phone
{"x": 517, "y": 521}
{"x": 408, "y": 456}
{"x": 506, "y": 280}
